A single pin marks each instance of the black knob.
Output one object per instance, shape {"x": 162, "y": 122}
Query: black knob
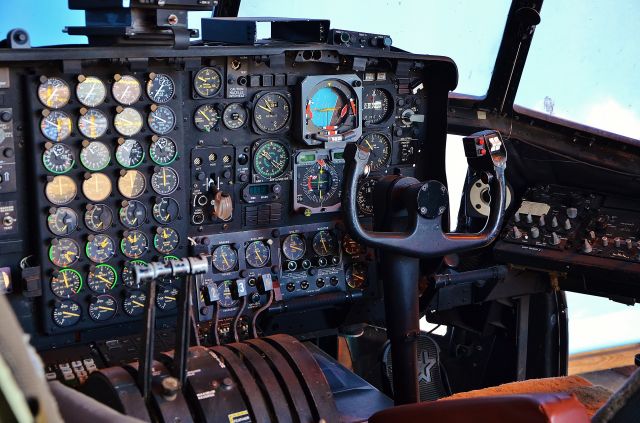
{"x": 8, "y": 153}
{"x": 226, "y": 174}
{"x": 243, "y": 159}
{"x": 6, "y": 116}
{"x": 200, "y": 176}
{"x": 276, "y": 189}
{"x": 244, "y": 177}
{"x": 312, "y": 272}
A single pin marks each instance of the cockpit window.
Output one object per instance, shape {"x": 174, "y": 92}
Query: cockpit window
{"x": 583, "y": 65}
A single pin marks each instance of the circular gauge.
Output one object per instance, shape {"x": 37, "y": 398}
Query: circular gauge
{"x": 97, "y": 187}
{"x": 224, "y": 258}
{"x": 128, "y": 122}
{"x": 131, "y": 183}
{"x": 327, "y": 108}
{"x": 66, "y": 313}
{"x": 207, "y": 82}
{"x": 163, "y": 151}
{"x": 324, "y": 243}
{"x": 126, "y": 89}
{"x": 167, "y": 297}
{"x": 64, "y": 252}
{"x": 294, "y": 247}
{"x": 62, "y": 221}
{"x": 133, "y": 214}
{"x": 129, "y": 153}
{"x": 234, "y": 116}
{"x": 356, "y": 275}
{"x": 160, "y": 88}
{"x": 90, "y": 91}
{"x": 102, "y": 307}
{"x": 166, "y": 210}
{"x": 380, "y": 147}
{"x": 162, "y": 120}
{"x": 206, "y": 117}
{"x": 166, "y": 240}
{"x": 100, "y": 248}
{"x": 61, "y": 190}
{"x": 95, "y": 155}
{"x": 257, "y": 254}
{"x": 102, "y": 278}
{"x": 98, "y": 217}
{"x": 93, "y": 124}
{"x": 128, "y": 275}
{"x": 271, "y": 112}
{"x": 134, "y": 303}
{"x": 164, "y": 181}
{"x": 57, "y": 158}
{"x": 319, "y": 183}
{"x": 376, "y": 105}
{"x": 331, "y": 110}
{"x": 65, "y": 283}
{"x": 270, "y": 159}
{"x": 54, "y": 92}
{"x": 351, "y": 247}
{"x": 56, "y": 125}
{"x": 134, "y": 244}
{"x": 224, "y": 292}
{"x": 364, "y": 196}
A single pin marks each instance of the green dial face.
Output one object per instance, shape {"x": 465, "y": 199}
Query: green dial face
{"x": 66, "y": 282}
{"x": 58, "y": 158}
{"x": 163, "y": 151}
{"x": 270, "y": 159}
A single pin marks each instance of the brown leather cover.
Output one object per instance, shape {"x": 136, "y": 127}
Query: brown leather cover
{"x": 532, "y": 408}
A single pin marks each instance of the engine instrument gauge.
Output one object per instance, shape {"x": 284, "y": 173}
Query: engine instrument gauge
{"x": 224, "y": 292}
{"x": 294, "y": 247}
{"x": 126, "y": 89}
{"x": 207, "y": 82}
{"x": 319, "y": 184}
{"x": 95, "y": 155}
{"x": 131, "y": 183}
{"x": 100, "y": 248}
{"x": 62, "y": 221}
{"x": 65, "y": 283}
{"x": 234, "y": 116}
{"x": 90, "y": 91}
{"x": 376, "y": 105}
{"x": 164, "y": 180}
{"x": 132, "y": 213}
{"x": 224, "y": 258}
{"x": 352, "y": 247}
{"x": 64, "y": 252}
{"x": 271, "y": 112}
{"x": 57, "y": 158}
{"x": 129, "y": 153}
{"x": 167, "y": 297}
{"x": 270, "y": 159}
{"x": 66, "y": 313}
{"x": 163, "y": 151}
{"x": 257, "y": 254}
{"x": 92, "y": 123}
{"x": 61, "y": 190}
{"x": 128, "y": 121}
{"x": 206, "y": 117}
{"x": 160, "y": 88}
{"x": 55, "y": 125}
{"x": 134, "y": 244}
{"x": 356, "y": 275}
{"x": 166, "y": 240}
{"x": 166, "y": 210}
{"x": 161, "y": 120}
{"x": 98, "y": 217}
{"x": 103, "y": 307}
{"x": 134, "y": 303}
{"x": 324, "y": 243}
{"x": 364, "y": 196}
{"x": 96, "y": 187}
{"x": 53, "y": 92}
{"x": 380, "y": 147}
{"x": 102, "y": 278}
{"x": 128, "y": 275}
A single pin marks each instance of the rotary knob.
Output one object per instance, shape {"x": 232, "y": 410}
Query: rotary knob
{"x": 529, "y": 218}
{"x": 605, "y": 241}
{"x": 555, "y": 239}
{"x": 572, "y": 212}
{"x": 567, "y": 224}
{"x": 542, "y": 221}
{"x": 629, "y": 243}
{"x": 554, "y": 222}
{"x": 586, "y": 247}
{"x": 535, "y": 232}
{"x": 517, "y": 233}
{"x": 618, "y": 242}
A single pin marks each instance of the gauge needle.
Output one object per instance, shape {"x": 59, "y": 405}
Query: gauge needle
{"x": 68, "y": 313}
{"x": 205, "y": 115}
{"x": 164, "y": 177}
{"x": 324, "y": 245}
{"x": 164, "y": 234}
{"x": 137, "y": 303}
{"x": 104, "y": 243}
{"x": 105, "y": 308}
{"x": 93, "y": 125}
{"x": 171, "y": 298}
{"x": 258, "y": 256}
{"x": 69, "y": 255}
{"x": 264, "y": 108}
{"x": 66, "y": 282}
{"x": 293, "y": 247}
{"x": 224, "y": 257}
{"x": 358, "y": 277}
{"x": 202, "y": 79}
{"x": 103, "y": 279}
{"x": 160, "y": 119}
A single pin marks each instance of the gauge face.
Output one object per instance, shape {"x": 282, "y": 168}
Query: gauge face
{"x": 62, "y": 221}
{"x": 61, "y": 190}
{"x": 100, "y": 248}
{"x": 162, "y": 120}
{"x": 351, "y": 247}
{"x": 132, "y": 183}
{"x": 376, "y": 105}
{"x": 164, "y": 181}
{"x": 271, "y": 112}
{"x": 66, "y": 313}
{"x": 294, "y": 247}
{"x": 130, "y": 153}
{"x": 102, "y": 278}
{"x": 324, "y": 243}
{"x": 64, "y": 252}
{"x": 380, "y": 147}
{"x": 327, "y": 108}
{"x": 91, "y": 91}
{"x": 98, "y": 217}
{"x": 56, "y": 125}
{"x": 97, "y": 187}
{"x": 331, "y": 111}
{"x": 134, "y": 303}
{"x": 356, "y": 275}
{"x": 163, "y": 151}
{"x": 224, "y": 292}
{"x": 206, "y": 118}
{"x": 319, "y": 184}
{"x": 167, "y": 297}
{"x": 364, "y": 197}
{"x": 224, "y": 258}
{"x": 54, "y": 93}
{"x": 166, "y": 210}
{"x": 58, "y": 158}
{"x": 102, "y": 307}
{"x": 270, "y": 159}
{"x": 128, "y": 122}
{"x": 128, "y": 275}
{"x": 207, "y": 82}
{"x": 95, "y": 155}
{"x": 257, "y": 254}
{"x": 132, "y": 214}
{"x": 234, "y": 116}
{"x": 93, "y": 124}
{"x": 166, "y": 240}
{"x": 126, "y": 90}
{"x": 134, "y": 244}
{"x": 65, "y": 283}
{"x": 160, "y": 88}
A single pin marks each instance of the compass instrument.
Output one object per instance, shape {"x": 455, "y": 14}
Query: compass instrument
{"x": 128, "y": 121}
{"x": 65, "y": 283}
{"x": 131, "y": 183}
{"x": 161, "y": 120}
{"x": 129, "y": 153}
{"x": 90, "y": 91}
{"x": 318, "y": 183}
{"x": 98, "y": 217}
{"x": 92, "y": 123}
{"x": 100, "y": 248}
{"x": 102, "y": 278}
{"x": 61, "y": 190}
{"x": 64, "y": 252}
{"x": 126, "y": 89}
{"x": 207, "y": 82}
{"x": 271, "y": 112}
{"x": 55, "y": 125}
{"x": 96, "y": 187}
{"x": 166, "y": 240}
{"x": 62, "y": 221}
{"x": 66, "y": 313}
{"x": 54, "y": 93}
{"x": 134, "y": 244}
{"x": 163, "y": 151}
{"x": 160, "y": 88}
{"x": 57, "y": 158}
{"x": 95, "y": 155}
{"x": 103, "y": 307}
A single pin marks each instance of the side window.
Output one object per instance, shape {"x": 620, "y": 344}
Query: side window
{"x": 456, "y": 167}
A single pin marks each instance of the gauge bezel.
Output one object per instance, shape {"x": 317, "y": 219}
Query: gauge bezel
{"x": 213, "y": 119}
{"x": 93, "y": 271}
{"x": 283, "y": 175}
{"x": 153, "y": 158}
{"x": 110, "y": 315}
{"x": 172, "y": 188}
{"x": 62, "y": 115}
{"x": 123, "y": 215}
{"x": 332, "y": 158}
{"x": 58, "y": 241}
{"x": 256, "y": 105}
{"x": 350, "y": 270}
{"x": 150, "y": 87}
{"x": 142, "y": 190}
{"x": 381, "y": 165}
{"x": 82, "y": 80}
{"x": 66, "y": 303}
{"x": 91, "y": 241}
{"x": 121, "y": 144}
{"x": 85, "y": 147}
{"x": 68, "y": 152}
{"x": 53, "y": 212}
{"x": 224, "y": 269}
{"x": 105, "y": 181}
{"x": 152, "y": 116}
{"x": 362, "y": 184}
{"x": 124, "y": 249}
{"x": 157, "y": 235}
{"x": 390, "y": 104}
{"x": 64, "y": 270}
{"x": 84, "y": 130}
{"x": 118, "y": 80}
{"x": 139, "y": 121}
{"x": 157, "y": 205}
{"x": 285, "y": 241}
{"x": 46, "y": 80}
{"x": 198, "y": 90}
{"x": 49, "y": 196}
{"x": 334, "y": 243}
{"x": 162, "y": 293}
{"x": 141, "y": 298}
{"x": 89, "y": 211}
{"x": 248, "y": 256}
{"x": 127, "y": 266}
{"x": 228, "y": 109}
